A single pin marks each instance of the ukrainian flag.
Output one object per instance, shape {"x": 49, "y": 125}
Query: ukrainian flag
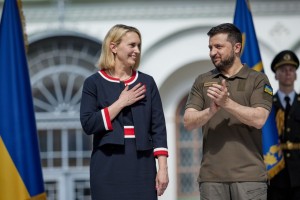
{"x": 20, "y": 166}
{"x": 251, "y": 55}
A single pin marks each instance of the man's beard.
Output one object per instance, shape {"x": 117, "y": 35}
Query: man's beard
{"x": 226, "y": 63}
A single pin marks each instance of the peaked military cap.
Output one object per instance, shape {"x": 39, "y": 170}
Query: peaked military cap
{"x": 283, "y": 58}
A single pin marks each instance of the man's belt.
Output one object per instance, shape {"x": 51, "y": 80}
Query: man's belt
{"x": 290, "y": 146}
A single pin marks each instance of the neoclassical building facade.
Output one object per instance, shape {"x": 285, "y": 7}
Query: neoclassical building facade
{"x": 64, "y": 42}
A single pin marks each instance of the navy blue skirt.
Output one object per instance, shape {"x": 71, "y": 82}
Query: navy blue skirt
{"x": 120, "y": 172}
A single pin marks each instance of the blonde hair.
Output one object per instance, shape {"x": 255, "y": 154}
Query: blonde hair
{"x": 115, "y": 34}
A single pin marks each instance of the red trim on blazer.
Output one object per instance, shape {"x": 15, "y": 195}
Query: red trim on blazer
{"x": 129, "y": 81}
{"x": 106, "y": 119}
{"x": 129, "y": 132}
{"x": 161, "y": 151}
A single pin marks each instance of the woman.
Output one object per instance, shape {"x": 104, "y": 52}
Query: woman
{"x": 122, "y": 109}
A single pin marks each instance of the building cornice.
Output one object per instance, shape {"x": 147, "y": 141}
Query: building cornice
{"x": 159, "y": 10}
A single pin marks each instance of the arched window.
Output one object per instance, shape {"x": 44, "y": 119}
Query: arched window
{"x": 189, "y": 151}
{"x": 58, "y": 66}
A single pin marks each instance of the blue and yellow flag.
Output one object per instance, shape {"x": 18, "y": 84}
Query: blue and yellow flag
{"x": 20, "y": 166}
{"x": 251, "y": 55}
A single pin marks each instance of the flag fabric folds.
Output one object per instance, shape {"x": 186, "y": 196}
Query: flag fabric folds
{"x": 243, "y": 20}
{"x": 20, "y": 167}
{"x": 273, "y": 156}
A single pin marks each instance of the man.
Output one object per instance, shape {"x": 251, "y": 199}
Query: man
{"x": 286, "y": 184}
{"x": 231, "y": 103}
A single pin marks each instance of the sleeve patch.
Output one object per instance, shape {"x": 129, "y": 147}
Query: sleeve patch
{"x": 268, "y": 89}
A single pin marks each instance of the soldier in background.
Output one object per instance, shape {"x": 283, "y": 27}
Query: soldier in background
{"x": 286, "y": 184}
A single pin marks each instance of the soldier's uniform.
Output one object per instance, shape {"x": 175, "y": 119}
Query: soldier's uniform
{"x": 286, "y": 184}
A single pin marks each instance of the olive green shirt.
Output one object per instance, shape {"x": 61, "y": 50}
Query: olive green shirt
{"x": 232, "y": 150}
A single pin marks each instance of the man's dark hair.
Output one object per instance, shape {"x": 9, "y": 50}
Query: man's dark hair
{"x": 234, "y": 34}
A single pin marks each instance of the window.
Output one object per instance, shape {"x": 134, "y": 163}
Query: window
{"x": 64, "y": 148}
{"x": 58, "y": 68}
{"x": 189, "y": 151}
{"x": 51, "y": 190}
{"x": 82, "y": 190}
